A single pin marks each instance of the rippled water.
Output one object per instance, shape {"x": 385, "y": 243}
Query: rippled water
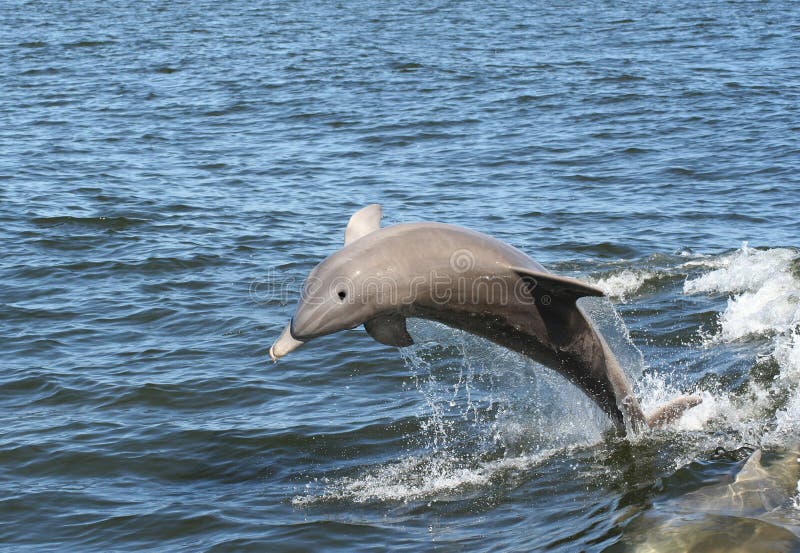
{"x": 170, "y": 172}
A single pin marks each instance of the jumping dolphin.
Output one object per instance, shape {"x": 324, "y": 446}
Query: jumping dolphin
{"x": 470, "y": 281}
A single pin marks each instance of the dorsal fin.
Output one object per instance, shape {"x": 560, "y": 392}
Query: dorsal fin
{"x": 564, "y": 288}
{"x": 365, "y": 220}
{"x": 752, "y": 468}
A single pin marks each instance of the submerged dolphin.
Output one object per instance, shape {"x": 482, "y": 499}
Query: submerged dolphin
{"x": 753, "y": 513}
{"x": 470, "y": 281}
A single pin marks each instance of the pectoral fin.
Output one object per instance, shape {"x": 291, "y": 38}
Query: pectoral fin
{"x": 390, "y": 330}
{"x": 555, "y": 286}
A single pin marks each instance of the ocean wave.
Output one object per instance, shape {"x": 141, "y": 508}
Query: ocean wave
{"x": 623, "y": 284}
{"x": 746, "y": 269}
{"x": 763, "y": 304}
{"x": 764, "y": 293}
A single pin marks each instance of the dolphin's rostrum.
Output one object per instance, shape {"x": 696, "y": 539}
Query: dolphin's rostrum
{"x": 470, "y": 281}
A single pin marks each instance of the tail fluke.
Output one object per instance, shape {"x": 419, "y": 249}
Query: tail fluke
{"x": 672, "y": 411}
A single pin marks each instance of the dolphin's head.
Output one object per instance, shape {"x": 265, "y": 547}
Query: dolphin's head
{"x": 331, "y": 301}
{"x": 336, "y": 295}
{"x": 332, "y": 298}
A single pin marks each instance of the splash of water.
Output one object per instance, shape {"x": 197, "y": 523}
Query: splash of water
{"x": 763, "y": 305}
{"x": 623, "y": 284}
{"x": 420, "y": 478}
{"x": 487, "y": 411}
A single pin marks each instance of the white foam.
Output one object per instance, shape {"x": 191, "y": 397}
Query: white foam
{"x": 623, "y": 284}
{"x": 717, "y": 409}
{"x": 419, "y": 478}
{"x": 654, "y": 390}
{"x": 787, "y": 355}
{"x": 745, "y": 269}
{"x": 697, "y": 418}
{"x": 700, "y": 260}
{"x": 765, "y": 296}
{"x": 763, "y": 304}
{"x": 772, "y": 308}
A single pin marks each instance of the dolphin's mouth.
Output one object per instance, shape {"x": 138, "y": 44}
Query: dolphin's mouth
{"x": 286, "y": 343}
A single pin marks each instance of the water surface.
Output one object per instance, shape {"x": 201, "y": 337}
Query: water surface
{"x": 169, "y": 174}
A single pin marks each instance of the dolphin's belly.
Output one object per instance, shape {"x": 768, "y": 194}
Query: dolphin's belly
{"x": 514, "y": 334}
{"x": 493, "y": 327}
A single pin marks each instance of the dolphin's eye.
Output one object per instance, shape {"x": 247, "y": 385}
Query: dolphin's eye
{"x": 342, "y": 295}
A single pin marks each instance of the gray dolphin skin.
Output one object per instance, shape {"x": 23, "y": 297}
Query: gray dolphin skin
{"x": 470, "y": 281}
{"x": 753, "y": 513}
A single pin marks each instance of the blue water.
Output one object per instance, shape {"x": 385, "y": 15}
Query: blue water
{"x": 171, "y": 172}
